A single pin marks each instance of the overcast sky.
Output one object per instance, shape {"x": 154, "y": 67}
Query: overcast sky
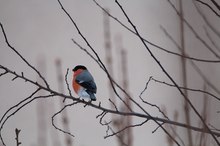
{"x": 40, "y": 30}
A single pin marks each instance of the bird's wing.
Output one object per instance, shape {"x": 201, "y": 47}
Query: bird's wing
{"x": 86, "y": 80}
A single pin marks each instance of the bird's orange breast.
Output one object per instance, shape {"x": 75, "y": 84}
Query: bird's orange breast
{"x": 75, "y": 85}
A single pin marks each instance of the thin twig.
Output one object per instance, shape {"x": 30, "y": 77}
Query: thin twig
{"x": 206, "y": 4}
{"x": 146, "y": 86}
{"x": 130, "y": 126}
{"x": 100, "y": 114}
{"x": 17, "y": 137}
{"x": 101, "y": 119}
{"x": 153, "y": 105}
{"x": 3, "y": 73}
{"x": 145, "y": 116}
{"x": 102, "y": 66}
{"x": 121, "y": 87}
{"x": 211, "y": 40}
{"x": 18, "y": 109}
{"x": 153, "y": 44}
{"x": 205, "y": 19}
{"x": 206, "y": 80}
{"x": 67, "y": 84}
{"x": 99, "y": 107}
{"x": 152, "y": 118}
{"x": 108, "y": 110}
{"x": 92, "y": 49}
{"x": 189, "y": 89}
{"x": 59, "y": 129}
{"x": 113, "y": 104}
{"x": 168, "y": 75}
{"x": 157, "y": 128}
{"x": 32, "y": 67}
{"x": 134, "y": 27}
{"x": 214, "y": 128}
{"x": 119, "y": 137}
{"x": 18, "y": 104}
{"x": 14, "y": 78}
{"x": 194, "y": 32}
{"x": 216, "y": 4}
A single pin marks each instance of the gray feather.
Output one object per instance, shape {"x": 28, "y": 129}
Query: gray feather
{"x": 86, "y": 80}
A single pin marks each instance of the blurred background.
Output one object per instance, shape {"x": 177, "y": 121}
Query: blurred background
{"x": 42, "y": 33}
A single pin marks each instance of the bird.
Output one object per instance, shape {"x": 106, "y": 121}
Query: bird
{"x": 83, "y": 83}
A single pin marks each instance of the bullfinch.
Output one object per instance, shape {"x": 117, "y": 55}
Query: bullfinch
{"x": 83, "y": 83}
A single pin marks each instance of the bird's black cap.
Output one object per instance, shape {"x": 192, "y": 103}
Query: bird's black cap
{"x": 79, "y": 67}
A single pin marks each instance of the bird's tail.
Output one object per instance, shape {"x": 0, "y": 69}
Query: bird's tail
{"x": 92, "y": 95}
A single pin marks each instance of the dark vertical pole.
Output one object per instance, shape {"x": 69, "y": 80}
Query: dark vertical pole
{"x": 41, "y": 106}
{"x": 128, "y": 119}
{"x": 65, "y": 120}
{"x": 184, "y": 73}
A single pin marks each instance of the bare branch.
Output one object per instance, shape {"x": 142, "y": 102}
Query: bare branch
{"x": 105, "y": 109}
{"x": 153, "y": 105}
{"x": 130, "y": 126}
{"x": 153, "y": 44}
{"x": 211, "y": 40}
{"x": 87, "y": 52}
{"x": 189, "y": 89}
{"x": 214, "y": 128}
{"x": 101, "y": 119}
{"x": 216, "y": 4}
{"x": 3, "y": 73}
{"x": 59, "y": 129}
{"x": 14, "y": 78}
{"x": 194, "y": 32}
{"x": 32, "y": 67}
{"x": 92, "y": 49}
{"x": 206, "y": 4}
{"x": 166, "y": 73}
{"x": 146, "y": 86}
{"x": 17, "y": 135}
{"x": 100, "y": 114}
{"x": 18, "y": 109}
{"x": 113, "y": 104}
{"x": 157, "y": 128}
{"x": 67, "y": 84}
{"x": 118, "y": 136}
{"x": 151, "y": 55}
{"x": 206, "y": 80}
{"x": 130, "y": 97}
{"x": 110, "y": 78}
{"x": 18, "y": 104}
{"x": 102, "y": 66}
{"x": 206, "y": 20}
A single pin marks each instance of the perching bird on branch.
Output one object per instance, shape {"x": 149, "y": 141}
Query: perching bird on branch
{"x": 83, "y": 83}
